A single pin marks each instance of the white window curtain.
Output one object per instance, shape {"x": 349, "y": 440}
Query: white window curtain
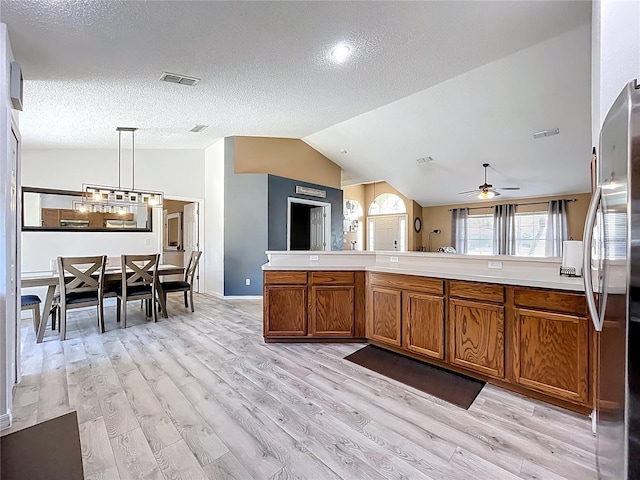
{"x": 556, "y": 228}
{"x": 504, "y": 229}
{"x": 459, "y": 229}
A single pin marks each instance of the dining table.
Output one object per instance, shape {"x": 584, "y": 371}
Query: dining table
{"x": 51, "y": 280}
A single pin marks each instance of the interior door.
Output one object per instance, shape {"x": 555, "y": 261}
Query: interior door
{"x": 190, "y": 237}
{"x": 317, "y": 228}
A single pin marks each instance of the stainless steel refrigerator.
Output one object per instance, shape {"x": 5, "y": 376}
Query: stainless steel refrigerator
{"x": 612, "y": 271}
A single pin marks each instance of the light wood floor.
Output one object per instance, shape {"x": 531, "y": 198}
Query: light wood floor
{"x": 201, "y": 396}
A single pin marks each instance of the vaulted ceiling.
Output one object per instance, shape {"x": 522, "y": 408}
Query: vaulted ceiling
{"x": 462, "y": 82}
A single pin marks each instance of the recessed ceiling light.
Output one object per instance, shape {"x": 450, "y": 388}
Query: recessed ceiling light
{"x": 343, "y": 151}
{"x": 341, "y": 52}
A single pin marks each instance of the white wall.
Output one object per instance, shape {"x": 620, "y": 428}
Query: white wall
{"x": 9, "y": 261}
{"x": 615, "y": 54}
{"x": 178, "y": 173}
{"x": 214, "y": 223}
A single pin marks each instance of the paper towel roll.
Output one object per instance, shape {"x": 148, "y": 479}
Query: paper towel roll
{"x": 572, "y": 255}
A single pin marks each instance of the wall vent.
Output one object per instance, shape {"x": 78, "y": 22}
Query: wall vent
{"x": 198, "y": 128}
{"x": 176, "y": 78}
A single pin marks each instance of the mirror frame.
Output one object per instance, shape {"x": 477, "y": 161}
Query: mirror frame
{"x": 73, "y": 193}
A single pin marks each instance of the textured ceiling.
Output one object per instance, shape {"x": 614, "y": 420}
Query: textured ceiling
{"x": 92, "y": 66}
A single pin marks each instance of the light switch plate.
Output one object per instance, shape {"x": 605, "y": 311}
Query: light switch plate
{"x": 496, "y": 265}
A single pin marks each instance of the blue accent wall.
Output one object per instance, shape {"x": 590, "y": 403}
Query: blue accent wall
{"x": 279, "y": 190}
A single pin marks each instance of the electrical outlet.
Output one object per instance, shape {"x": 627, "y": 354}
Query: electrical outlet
{"x": 313, "y": 258}
{"x": 147, "y": 241}
{"x": 247, "y": 281}
{"x": 496, "y": 265}
{"x": 393, "y": 259}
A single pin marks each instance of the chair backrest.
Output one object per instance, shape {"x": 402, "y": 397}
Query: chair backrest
{"x": 81, "y": 274}
{"x": 192, "y": 266}
{"x": 139, "y": 269}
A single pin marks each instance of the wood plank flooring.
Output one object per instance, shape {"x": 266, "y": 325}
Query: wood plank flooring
{"x": 201, "y": 396}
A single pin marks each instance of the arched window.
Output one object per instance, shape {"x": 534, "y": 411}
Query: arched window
{"x": 387, "y": 203}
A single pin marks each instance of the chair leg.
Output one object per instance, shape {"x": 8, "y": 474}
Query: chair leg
{"x": 191, "y": 295}
{"x": 63, "y": 322}
{"x": 154, "y": 312}
{"x": 101, "y": 317}
{"x": 54, "y": 316}
{"x": 186, "y": 304}
{"x": 36, "y": 317}
{"x": 124, "y": 313}
{"x": 118, "y": 306}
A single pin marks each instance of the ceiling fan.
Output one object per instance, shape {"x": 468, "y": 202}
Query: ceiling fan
{"x": 486, "y": 190}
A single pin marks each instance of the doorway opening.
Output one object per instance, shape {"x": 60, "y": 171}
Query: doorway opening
{"x": 308, "y": 224}
{"x": 180, "y": 235}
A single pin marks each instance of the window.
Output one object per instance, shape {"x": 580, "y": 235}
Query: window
{"x": 480, "y": 234}
{"x": 531, "y": 234}
{"x": 530, "y": 231}
{"x": 387, "y": 203}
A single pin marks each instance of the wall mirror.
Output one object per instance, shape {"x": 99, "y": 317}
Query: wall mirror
{"x": 55, "y": 210}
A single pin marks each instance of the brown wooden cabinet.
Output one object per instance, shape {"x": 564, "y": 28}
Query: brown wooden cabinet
{"x": 385, "y": 315}
{"x": 285, "y": 308}
{"x": 332, "y": 310}
{"x": 407, "y": 311}
{"x": 476, "y": 336}
{"x": 550, "y": 348}
{"x": 423, "y": 324}
{"x": 313, "y": 305}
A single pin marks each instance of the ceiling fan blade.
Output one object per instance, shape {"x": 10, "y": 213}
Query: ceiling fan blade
{"x": 508, "y": 188}
{"x": 470, "y": 191}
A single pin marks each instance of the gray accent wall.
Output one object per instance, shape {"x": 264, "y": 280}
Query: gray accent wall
{"x": 280, "y": 189}
{"x": 245, "y": 227}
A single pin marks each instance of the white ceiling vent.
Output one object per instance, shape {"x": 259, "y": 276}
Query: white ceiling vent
{"x": 181, "y": 79}
{"x": 198, "y": 128}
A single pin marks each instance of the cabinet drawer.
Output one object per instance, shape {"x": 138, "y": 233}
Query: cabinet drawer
{"x": 408, "y": 282}
{"x": 549, "y": 300}
{"x": 476, "y": 291}
{"x": 334, "y": 278}
{"x": 285, "y": 278}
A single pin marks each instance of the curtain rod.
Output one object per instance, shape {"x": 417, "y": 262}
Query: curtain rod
{"x": 518, "y": 204}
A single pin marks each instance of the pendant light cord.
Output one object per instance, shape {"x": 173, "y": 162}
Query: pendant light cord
{"x": 133, "y": 160}
{"x": 119, "y": 158}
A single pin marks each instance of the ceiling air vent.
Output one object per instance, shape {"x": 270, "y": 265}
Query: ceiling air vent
{"x": 198, "y": 128}
{"x": 181, "y": 79}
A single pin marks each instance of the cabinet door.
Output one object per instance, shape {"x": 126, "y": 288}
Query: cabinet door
{"x": 285, "y": 310}
{"x": 477, "y": 336}
{"x": 424, "y": 324}
{"x": 551, "y": 353}
{"x": 332, "y": 311}
{"x": 385, "y": 315}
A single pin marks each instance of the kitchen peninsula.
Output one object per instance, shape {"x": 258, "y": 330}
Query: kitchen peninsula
{"x": 511, "y": 321}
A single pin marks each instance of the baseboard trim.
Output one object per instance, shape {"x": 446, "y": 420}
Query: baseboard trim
{"x": 242, "y": 297}
{"x": 5, "y": 421}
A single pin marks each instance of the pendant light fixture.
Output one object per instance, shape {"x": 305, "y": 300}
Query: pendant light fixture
{"x": 117, "y": 199}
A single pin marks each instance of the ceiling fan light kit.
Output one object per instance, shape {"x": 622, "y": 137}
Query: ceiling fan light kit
{"x": 486, "y": 191}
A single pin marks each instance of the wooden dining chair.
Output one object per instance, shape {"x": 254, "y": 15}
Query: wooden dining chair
{"x": 185, "y": 285}
{"x": 139, "y": 281}
{"x": 31, "y": 302}
{"x": 81, "y": 284}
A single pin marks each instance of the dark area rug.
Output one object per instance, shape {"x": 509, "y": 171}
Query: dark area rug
{"x": 47, "y": 451}
{"x": 449, "y": 386}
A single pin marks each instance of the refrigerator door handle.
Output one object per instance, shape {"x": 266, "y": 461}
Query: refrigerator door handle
{"x": 586, "y": 259}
